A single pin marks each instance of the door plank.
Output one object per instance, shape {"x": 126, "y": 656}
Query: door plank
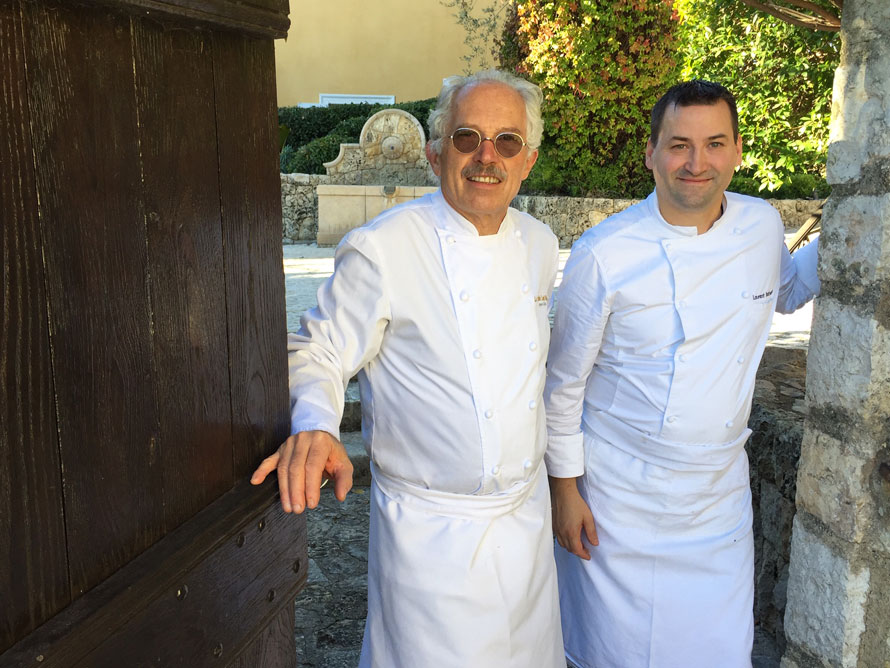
{"x": 92, "y": 219}
{"x": 250, "y": 195}
{"x": 33, "y": 564}
{"x": 177, "y": 131}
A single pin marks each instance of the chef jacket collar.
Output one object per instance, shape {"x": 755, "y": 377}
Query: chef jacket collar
{"x": 450, "y": 220}
{"x": 683, "y": 230}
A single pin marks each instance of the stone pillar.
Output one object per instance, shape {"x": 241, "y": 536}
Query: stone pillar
{"x": 838, "y": 611}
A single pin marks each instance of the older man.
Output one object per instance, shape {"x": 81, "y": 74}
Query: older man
{"x": 441, "y": 307}
{"x": 663, "y": 314}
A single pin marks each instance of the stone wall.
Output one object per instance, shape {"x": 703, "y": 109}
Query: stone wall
{"x": 568, "y": 217}
{"x": 299, "y": 206}
{"x": 777, "y": 419}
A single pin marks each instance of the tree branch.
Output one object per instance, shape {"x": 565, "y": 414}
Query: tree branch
{"x": 825, "y": 21}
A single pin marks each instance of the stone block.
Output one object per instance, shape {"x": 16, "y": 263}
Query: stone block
{"x": 595, "y": 217}
{"x": 854, "y": 246}
{"x": 841, "y": 348}
{"x": 859, "y": 127}
{"x": 833, "y": 484}
{"x": 340, "y": 209}
{"x": 826, "y": 600}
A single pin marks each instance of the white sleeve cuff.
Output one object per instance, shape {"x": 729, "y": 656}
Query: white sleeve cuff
{"x": 565, "y": 455}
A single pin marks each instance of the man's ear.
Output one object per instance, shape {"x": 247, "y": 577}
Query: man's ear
{"x": 650, "y": 149}
{"x": 529, "y": 163}
{"x": 433, "y": 159}
{"x": 738, "y": 150}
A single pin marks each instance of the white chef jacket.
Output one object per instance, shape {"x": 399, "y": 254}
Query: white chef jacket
{"x": 660, "y": 330}
{"x": 448, "y": 332}
{"x": 656, "y": 342}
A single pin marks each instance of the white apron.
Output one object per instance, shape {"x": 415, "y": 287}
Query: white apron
{"x": 456, "y": 580}
{"x": 463, "y": 580}
{"x": 671, "y": 584}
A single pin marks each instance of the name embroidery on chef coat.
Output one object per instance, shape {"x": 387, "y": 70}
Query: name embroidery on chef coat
{"x": 542, "y": 300}
{"x": 762, "y": 295}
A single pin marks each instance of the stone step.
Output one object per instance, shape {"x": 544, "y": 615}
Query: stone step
{"x": 361, "y": 463}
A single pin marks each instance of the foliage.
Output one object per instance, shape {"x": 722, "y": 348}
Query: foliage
{"x": 601, "y": 65}
{"x": 317, "y": 132}
{"x": 782, "y": 79}
{"x": 481, "y": 29}
{"x": 311, "y": 156}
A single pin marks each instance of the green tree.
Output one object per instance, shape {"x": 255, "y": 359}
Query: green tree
{"x": 782, "y": 78}
{"x": 481, "y": 27}
{"x": 601, "y": 65}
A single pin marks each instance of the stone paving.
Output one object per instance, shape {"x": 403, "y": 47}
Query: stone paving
{"x": 330, "y": 611}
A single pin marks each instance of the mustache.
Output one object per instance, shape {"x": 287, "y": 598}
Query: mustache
{"x": 484, "y": 170}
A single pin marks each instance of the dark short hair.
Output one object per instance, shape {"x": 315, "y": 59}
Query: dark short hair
{"x": 691, "y": 93}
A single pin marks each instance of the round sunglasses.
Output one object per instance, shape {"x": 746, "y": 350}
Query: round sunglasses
{"x": 507, "y": 144}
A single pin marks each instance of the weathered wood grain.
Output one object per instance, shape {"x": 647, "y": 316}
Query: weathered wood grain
{"x": 274, "y": 647}
{"x": 250, "y": 195}
{"x": 198, "y": 597}
{"x": 261, "y": 18}
{"x": 178, "y": 151}
{"x": 80, "y": 90}
{"x": 33, "y": 566}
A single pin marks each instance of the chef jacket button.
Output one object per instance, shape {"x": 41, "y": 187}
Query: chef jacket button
{"x": 682, "y": 303}
{"x": 737, "y": 230}
{"x": 532, "y": 405}
{"x": 741, "y": 359}
{"x": 667, "y": 245}
{"x": 744, "y": 294}
{"x": 517, "y": 234}
{"x": 682, "y": 358}
{"x": 464, "y": 296}
{"x": 672, "y": 418}
{"x": 489, "y": 413}
{"x": 477, "y": 354}
{"x": 495, "y": 469}
{"x": 532, "y": 346}
{"x": 451, "y": 240}
{"x": 525, "y": 287}
{"x": 728, "y": 424}
{"x": 527, "y": 464}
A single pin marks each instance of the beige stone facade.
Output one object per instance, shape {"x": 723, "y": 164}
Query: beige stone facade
{"x": 401, "y": 48}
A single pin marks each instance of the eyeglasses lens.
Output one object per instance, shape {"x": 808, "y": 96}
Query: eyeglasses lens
{"x": 507, "y": 144}
{"x": 466, "y": 141}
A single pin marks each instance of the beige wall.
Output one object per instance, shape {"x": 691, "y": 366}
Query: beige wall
{"x": 368, "y": 47}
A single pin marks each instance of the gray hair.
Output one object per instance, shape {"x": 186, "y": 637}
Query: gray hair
{"x": 440, "y": 117}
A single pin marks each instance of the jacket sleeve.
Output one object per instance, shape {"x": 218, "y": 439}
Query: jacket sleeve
{"x": 583, "y": 307}
{"x": 337, "y": 337}
{"x": 799, "y": 282}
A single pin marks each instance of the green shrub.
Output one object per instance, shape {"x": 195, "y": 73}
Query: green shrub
{"x": 601, "y": 65}
{"x": 308, "y": 123}
{"x": 782, "y": 78}
{"x": 310, "y": 158}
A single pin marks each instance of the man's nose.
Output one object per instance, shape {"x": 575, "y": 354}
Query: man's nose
{"x": 696, "y": 163}
{"x": 486, "y": 152}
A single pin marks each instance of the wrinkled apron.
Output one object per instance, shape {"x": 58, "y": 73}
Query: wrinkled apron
{"x": 671, "y": 584}
{"x": 458, "y": 581}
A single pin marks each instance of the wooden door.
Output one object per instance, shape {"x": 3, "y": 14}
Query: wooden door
{"x": 143, "y": 369}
